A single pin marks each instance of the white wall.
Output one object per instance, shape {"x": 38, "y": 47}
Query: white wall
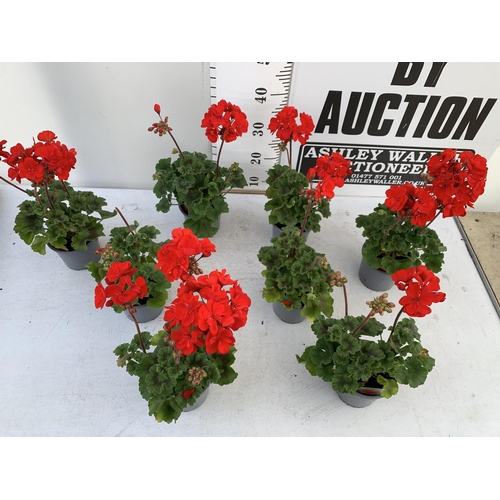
{"x": 103, "y": 110}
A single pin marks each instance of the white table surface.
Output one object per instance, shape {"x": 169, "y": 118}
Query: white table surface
{"x": 59, "y": 375}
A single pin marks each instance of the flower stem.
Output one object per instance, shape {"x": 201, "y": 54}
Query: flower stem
{"x": 48, "y": 196}
{"x": 306, "y": 216}
{"x": 362, "y": 324}
{"x": 345, "y": 299}
{"x": 313, "y": 263}
{"x": 139, "y": 335}
{"x": 395, "y": 323}
{"x": 66, "y": 189}
{"x": 388, "y": 230}
{"x": 218, "y": 157}
{"x": 289, "y": 155}
{"x": 13, "y": 185}
{"x": 429, "y": 223}
{"x": 124, "y": 220}
{"x": 176, "y": 145}
{"x": 35, "y": 192}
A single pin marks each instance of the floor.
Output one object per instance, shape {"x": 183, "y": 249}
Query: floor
{"x": 59, "y": 374}
{"x": 482, "y": 230}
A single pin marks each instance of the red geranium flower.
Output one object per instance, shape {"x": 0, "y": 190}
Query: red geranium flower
{"x": 31, "y": 170}
{"x": 224, "y": 120}
{"x": 422, "y": 289}
{"x": 3, "y": 153}
{"x": 121, "y": 290}
{"x": 41, "y": 162}
{"x": 219, "y": 341}
{"x": 331, "y": 170}
{"x": 99, "y": 296}
{"x": 212, "y": 315}
{"x": 140, "y": 287}
{"x": 187, "y": 340}
{"x": 172, "y": 264}
{"x": 205, "y": 312}
{"x": 240, "y": 302}
{"x": 46, "y": 136}
{"x": 118, "y": 270}
{"x": 424, "y": 208}
{"x": 400, "y": 197}
{"x": 183, "y": 311}
{"x": 303, "y": 131}
{"x": 286, "y": 127}
{"x": 457, "y": 182}
{"x": 174, "y": 257}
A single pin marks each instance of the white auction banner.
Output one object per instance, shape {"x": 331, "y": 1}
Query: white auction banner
{"x": 389, "y": 118}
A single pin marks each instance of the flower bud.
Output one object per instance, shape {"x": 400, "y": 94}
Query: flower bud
{"x": 157, "y": 108}
{"x": 121, "y": 362}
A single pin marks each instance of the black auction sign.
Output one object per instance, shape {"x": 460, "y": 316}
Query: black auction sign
{"x": 390, "y": 118}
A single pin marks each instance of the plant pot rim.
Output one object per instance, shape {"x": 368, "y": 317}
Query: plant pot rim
{"x": 87, "y": 242}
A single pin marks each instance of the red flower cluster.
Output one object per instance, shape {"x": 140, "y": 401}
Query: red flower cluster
{"x": 121, "y": 289}
{"x": 332, "y": 170}
{"x": 422, "y": 289}
{"x": 41, "y": 162}
{"x": 208, "y": 308}
{"x": 176, "y": 258}
{"x": 457, "y": 183}
{"x": 452, "y": 186}
{"x": 286, "y": 127}
{"x": 415, "y": 202}
{"x": 205, "y": 313}
{"x": 224, "y": 120}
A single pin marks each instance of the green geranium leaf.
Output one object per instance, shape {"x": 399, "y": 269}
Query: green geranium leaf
{"x": 164, "y": 411}
{"x": 321, "y": 354}
{"x": 158, "y": 301}
{"x": 203, "y": 228}
{"x": 390, "y": 389}
{"x": 311, "y": 309}
{"x": 271, "y": 295}
{"x": 39, "y": 244}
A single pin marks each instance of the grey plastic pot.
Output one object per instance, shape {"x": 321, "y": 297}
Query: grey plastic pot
{"x": 293, "y": 316}
{"x": 144, "y": 313}
{"x": 358, "y": 400}
{"x": 76, "y": 259}
{"x": 201, "y": 399}
{"x": 374, "y": 279}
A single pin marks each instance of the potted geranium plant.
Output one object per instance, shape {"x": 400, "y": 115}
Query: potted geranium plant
{"x": 297, "y": 278}
{"x": 195, "y": 349}
{"x": 198, "y": 184}
{"x": 137, "y": 247}
{"x": 397, "y": 233}
{"x": 352, "y": 355}
{"x": 285, "y": 204}
{"x": 57, "y": 216}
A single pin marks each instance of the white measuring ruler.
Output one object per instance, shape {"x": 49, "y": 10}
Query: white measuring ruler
{"x": 261, "y": 90}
